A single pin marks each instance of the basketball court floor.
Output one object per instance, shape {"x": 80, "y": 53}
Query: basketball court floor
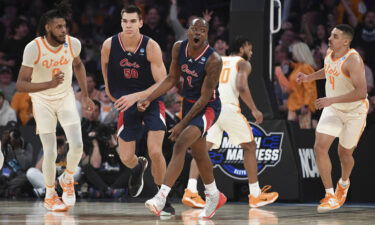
{"x": 32, "y": 212}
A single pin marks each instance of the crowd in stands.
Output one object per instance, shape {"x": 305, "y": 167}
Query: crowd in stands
{"x": 300, "y": 46}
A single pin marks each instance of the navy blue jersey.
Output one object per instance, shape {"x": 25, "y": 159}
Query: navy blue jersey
{"x": 128, "y": 72}
{"x": 193, "y": 72}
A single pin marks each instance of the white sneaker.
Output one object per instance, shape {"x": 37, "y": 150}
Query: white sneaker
{"x": 156, "y": 204}
{"x": 55, "y": 204}
{"x": 213, "y": 203}
{"x": 69, "y": 195}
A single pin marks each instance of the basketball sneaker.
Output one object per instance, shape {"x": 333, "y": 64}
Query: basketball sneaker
{"x": 328, "y": 203}
{"x": 156, "y": 204}
{"x": 168, "y": 210}
{"x": 55, "y": 204}
{"x": 263, "y": 198}
{"x": 213, "y": 203}
{"x": 136, "y": 180}
{"x": 193, "y": 200}
{"x": 69, "y": 195}
{"x": 341, "y": 192}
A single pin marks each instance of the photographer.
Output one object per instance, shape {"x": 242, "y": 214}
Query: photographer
{"x": 35, "y": 175}
{"x": 102, "y": 167}
{"x": 17, "y": 159}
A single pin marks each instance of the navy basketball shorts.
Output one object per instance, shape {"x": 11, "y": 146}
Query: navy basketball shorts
{"x": 206, "y": 118}
{"x": 132, "y": 123}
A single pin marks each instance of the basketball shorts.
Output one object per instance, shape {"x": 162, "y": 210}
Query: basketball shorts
{"x": 234, "y": 124}
{"x": 348, "y": 126}
{"x": 206, "y": 118}
{"x": 48, "y": 112}
{"x": 131, "y": 124}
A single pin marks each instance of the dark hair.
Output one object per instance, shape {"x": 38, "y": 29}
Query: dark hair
{"x": 17, "y": 23}
{"x": 60, "y": 10}
{"x": 222, "y": 38}
{"x": 239, "y": 42}
{"x": 132, "y": 9}
{"x": 347, "y": 29}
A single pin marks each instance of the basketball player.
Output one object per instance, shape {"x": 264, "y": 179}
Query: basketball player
{"x": 233, "y": 84}
{"x": 344, "y": 112}
{"x": 132, "y": 68}
{"x": 200, "y": 67}
{"x": 46, "y": 73}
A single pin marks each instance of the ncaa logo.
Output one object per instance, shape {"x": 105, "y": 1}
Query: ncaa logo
{"x": 229, "y": 158}
{"x": 65, "y": 45}
{"x": 142, "y": 50}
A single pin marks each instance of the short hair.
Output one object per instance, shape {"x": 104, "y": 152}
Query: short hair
{"x": 238, "y": 42}
{"x": 132, "y": 9}
{"x": 346, "y": 29}
{"x": 60, "y": 10}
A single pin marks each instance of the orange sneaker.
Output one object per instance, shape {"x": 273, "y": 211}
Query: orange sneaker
{"x": 68, "y": 196}
{"x": 264, "y": 198}
{"x": 328, "y": 203}
{"x": 341, "y": 193}
{"x": 193, "y": 200}
{"x": 54, "y": 204}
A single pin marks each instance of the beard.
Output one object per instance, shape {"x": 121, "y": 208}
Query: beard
{"x": 245, "y": 57}
{"x": 55, "y": 38}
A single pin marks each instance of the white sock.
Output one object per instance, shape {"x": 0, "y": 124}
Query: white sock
{"x": 50, "y": 192}
{"x": 254, "y": 189}
{"x": 330, "y": 191}
{"x": 192, "y": 185}
{"x": 211, "y": 188}
{"x": 164, "y": 190}
{"x": 344, "y": 183}
{"x": 67, "y": 177}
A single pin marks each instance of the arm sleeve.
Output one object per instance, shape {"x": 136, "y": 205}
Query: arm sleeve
{"x": 76, "y": 46}
{"x": 30, "y": 54}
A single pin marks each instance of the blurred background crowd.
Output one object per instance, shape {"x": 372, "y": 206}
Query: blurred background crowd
{"x": 300, "y": 46}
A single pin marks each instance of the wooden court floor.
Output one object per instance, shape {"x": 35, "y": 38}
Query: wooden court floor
{"x": 32, "y": 212}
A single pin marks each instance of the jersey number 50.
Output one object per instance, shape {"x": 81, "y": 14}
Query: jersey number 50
{"x": 130, "y": 73}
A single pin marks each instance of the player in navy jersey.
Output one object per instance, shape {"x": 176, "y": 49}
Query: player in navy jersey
{"x": 200, "y": 67}
{"x": 132, "y": 68}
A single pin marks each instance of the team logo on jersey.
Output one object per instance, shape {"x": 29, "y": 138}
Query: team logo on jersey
{"x": 185, "y": 69}
{"x": 229, "y": 158}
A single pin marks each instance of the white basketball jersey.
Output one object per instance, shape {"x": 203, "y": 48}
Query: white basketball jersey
{"x": 227, "y": 84}
{"x": 337, "y": 81}
{"x": 51, "y": 62}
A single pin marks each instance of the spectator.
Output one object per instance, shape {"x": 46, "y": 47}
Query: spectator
{"x": 221, "y": 45}
{"x": 365, "y": 38}
{"x": 94, "y": 93}
{"x": 13, "y": 46}
{"x": 282, "y": 71}
{"x": 21, "y": 103}
{"x": 102, "y": 166}
{"x": 301, "y": 100}
{"x": 35, "y": 175}
{"x": 368, "y": 72}
{"x": 178, "y": 28}
{"x": 155, "y": 28}
{"x": 7, "y": 86}
{"x": 7, "y": 114}
{"x": 18, "y": 158}
{"x": 108, "y": 114}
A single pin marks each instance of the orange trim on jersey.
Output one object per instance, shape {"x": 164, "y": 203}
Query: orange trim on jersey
{"x": 39, "y": 51}
{"x": 49, "y": 49}
{"x": 70, "y": 46}
{"x": 334, "y": 60}
{"x": 342, "y": 71}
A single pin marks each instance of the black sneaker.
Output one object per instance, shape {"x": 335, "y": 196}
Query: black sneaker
{"x": 136, "y": 180}
{"x": 168, "y": 210}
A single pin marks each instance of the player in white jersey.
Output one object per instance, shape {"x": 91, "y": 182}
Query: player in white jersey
{"x": 233, "y": 84}
{"x": 344, "y": 112}
{"x": 46, "y": 73}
